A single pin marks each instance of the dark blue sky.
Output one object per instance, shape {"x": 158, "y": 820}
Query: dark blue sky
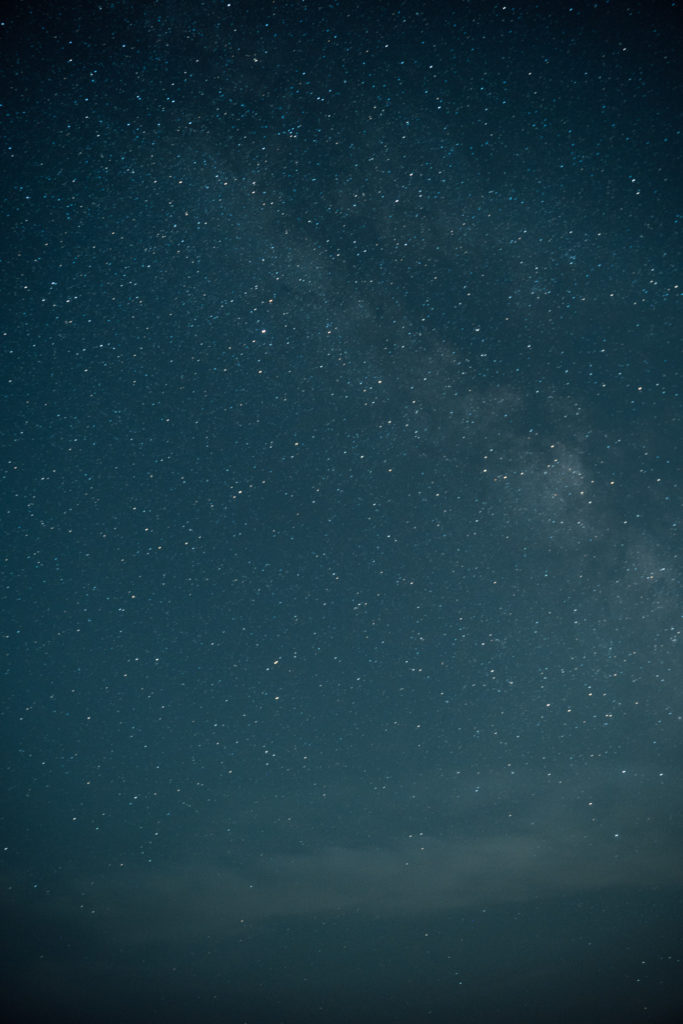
{"x": 341, "y": 390}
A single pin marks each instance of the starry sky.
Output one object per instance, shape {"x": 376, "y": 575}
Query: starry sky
{"x": 341, "y": 608}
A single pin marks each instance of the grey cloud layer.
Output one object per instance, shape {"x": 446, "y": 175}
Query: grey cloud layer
{"x": 179, "y": 903}
{"x": 600, "y": 833}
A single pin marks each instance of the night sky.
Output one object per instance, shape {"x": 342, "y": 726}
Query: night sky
{"x": 342, "y": 359}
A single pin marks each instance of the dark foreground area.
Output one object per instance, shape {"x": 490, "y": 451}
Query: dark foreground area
{"x": 608, "y": 958}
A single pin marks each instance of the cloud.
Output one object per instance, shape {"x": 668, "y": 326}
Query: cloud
{"x": 599, "y": 832}
{"x": 240, "y": 932}
{"x": 179, "y": 904}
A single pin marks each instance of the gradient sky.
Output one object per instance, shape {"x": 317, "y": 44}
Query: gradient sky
{"x": 341, "y": 611}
